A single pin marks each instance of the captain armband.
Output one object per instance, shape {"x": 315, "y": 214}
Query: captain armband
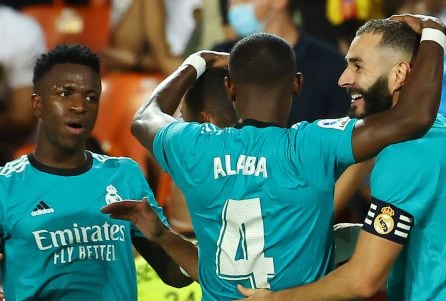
{"x": 388, "y": 221}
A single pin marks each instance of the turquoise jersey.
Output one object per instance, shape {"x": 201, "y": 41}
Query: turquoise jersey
{"x": 57, "y": 243}
{"x": 409, "y": 192}
{"x": 260, "y": 198}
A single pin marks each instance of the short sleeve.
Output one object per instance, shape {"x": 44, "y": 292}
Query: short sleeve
{"x": 402, "y": 179}
{"x": 324, "y": 149}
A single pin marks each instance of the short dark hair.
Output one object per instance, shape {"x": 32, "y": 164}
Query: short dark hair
{"x": 208, "y": 93}
{"x": 262, "y": 59}
{"x": 395, "y": 35}
{"x": 65, "y": 54}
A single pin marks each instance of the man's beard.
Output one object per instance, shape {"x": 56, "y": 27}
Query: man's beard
{"x": 377, "y": 98}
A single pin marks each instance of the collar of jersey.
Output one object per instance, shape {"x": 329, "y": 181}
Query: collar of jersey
{"x": 63, "y": 171}
{"x": 255, "y": 123}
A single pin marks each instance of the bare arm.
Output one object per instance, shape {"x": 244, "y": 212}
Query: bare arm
{"x": 418, "y": 102}
{"x": 166, "y": 268}
{"x": 182, "y": 251}
{"x": 156, "y": 112}
{"x": 361, "y": 277}
{"x": 349, "y": 182}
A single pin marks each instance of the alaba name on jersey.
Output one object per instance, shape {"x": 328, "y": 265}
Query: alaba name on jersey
{"x": 57, "y": 243}
{"x": 260, "y": 198}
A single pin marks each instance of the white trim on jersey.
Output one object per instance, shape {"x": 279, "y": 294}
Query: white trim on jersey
{"x": 16, "y": 166}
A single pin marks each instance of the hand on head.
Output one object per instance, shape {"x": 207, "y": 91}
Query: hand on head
{"x": 418, "y": 22}
{"x": 214, "y": 58}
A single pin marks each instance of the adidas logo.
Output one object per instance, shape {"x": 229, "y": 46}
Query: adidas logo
{"x": 42, "y": 208}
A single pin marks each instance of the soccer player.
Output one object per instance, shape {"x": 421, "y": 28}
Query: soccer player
{"x": 260, "y": 194}
{"x": 57, "y": 244}
{"x": 402, "y": 239}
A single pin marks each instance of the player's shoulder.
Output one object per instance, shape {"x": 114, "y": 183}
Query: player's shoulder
{"x": 338, "y": 124}
{"x": 404, "y": 157}
{"x": 188, "y": 130}
{"x": 15, "y": 167}
{"x": 101, "y": 160}
{"x": 201, "y": 128}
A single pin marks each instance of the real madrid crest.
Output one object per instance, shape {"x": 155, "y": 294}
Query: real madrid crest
{"x": 112, "y": 195}
{"x": 384, "y": 222}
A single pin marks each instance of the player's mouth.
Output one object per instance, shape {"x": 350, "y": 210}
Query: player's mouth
{"x": 357, "y": 99}
{"x": 75, "y": 128}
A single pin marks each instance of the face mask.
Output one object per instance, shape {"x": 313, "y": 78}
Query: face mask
{"x": 243, "y": 19}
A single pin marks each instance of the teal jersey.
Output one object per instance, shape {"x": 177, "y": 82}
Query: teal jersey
{"x": 408, "y": 207}
{"x": 260, "y": 199}
{"x": 57, "y": 243}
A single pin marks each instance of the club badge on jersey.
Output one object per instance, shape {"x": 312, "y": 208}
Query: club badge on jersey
{"x": 112, "y": 195}
{"x": 337, "y": 124}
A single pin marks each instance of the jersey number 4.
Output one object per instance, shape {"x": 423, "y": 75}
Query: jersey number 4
{"x": 240, "y": 247}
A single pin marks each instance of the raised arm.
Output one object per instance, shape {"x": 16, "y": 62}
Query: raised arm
{"x": 156, "y": 112}
{"x": 418, "y": 101}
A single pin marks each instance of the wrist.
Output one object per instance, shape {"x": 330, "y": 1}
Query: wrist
{"x": 435, "y": 35}
{"x": 162, "y": 236}
{"x": 197, "y": 62}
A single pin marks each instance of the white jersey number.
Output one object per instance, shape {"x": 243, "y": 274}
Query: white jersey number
{"x": 241, "y": 243}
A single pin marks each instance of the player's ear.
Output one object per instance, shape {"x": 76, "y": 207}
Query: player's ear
{"x": 398, "y": 76}
{"x": 297, "y": 85}
{"x": 36, "y": 103}
{"x": 230, "y": 89}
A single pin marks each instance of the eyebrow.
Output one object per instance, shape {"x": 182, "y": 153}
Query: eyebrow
{"x": 71, "y": 87}
{"x": 353, "y": 60}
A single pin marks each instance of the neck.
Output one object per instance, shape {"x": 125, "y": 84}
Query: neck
{"x": 264, "y": 108}
{"x": 267, "y": 119}
{"x": 59, "y": 158}
{"x": 395, "y": 97}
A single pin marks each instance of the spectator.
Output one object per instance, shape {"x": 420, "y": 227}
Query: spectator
{"x": 22, "y": 42}
{"x": 319, "y": 62}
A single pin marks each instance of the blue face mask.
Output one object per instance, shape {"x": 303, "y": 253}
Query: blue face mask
{"x": 243, "y": 19}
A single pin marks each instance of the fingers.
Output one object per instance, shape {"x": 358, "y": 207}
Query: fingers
{"x": 119, "y": 206}
{"x": 418, "y": 22}
{"x": 413, "y": 21}
{"x": 245, "y": 291}
{"x": 215, "y": 59}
